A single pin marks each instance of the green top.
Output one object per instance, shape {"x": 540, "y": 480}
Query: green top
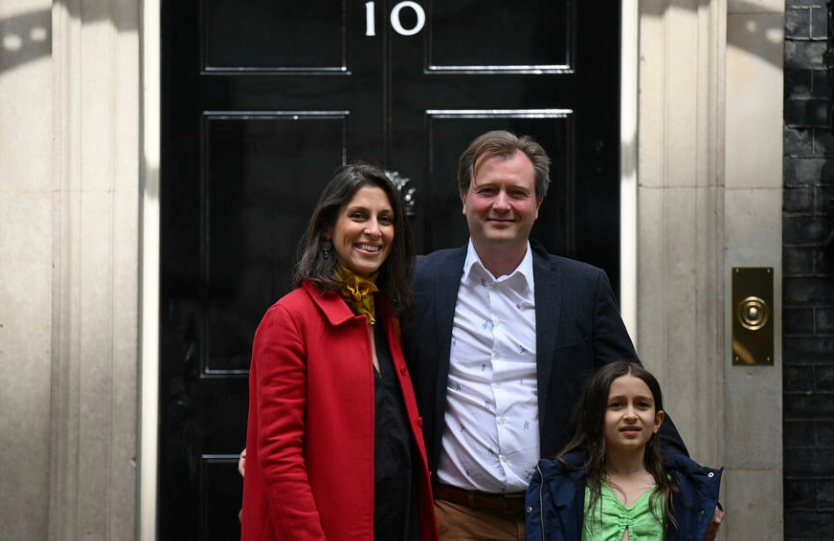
{"x": 611, "y": 524}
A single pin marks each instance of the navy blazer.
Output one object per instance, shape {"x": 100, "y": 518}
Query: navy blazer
{"x": 578, "y": 328}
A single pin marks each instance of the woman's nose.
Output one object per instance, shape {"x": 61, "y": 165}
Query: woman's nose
{"x": 372, "y": 229}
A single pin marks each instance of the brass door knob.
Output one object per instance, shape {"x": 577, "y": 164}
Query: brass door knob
{"x": 753, "y": 313}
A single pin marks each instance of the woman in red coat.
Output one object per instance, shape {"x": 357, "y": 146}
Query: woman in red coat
{"x": 334, "y": 444}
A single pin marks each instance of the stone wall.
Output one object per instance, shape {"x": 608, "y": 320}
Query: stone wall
{"x": 26, "y": 256}
{"x": 69, "y": 279}
{"x": 808, "y": 283}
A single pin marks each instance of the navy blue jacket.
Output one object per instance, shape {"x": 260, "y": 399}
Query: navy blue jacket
{"x": 556, "y": 499}
{"x": 578, "y": 329}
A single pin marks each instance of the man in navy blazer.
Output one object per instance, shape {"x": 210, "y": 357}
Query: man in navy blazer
{"x": 575, "y": 307}
{"x": 502, "y": 340}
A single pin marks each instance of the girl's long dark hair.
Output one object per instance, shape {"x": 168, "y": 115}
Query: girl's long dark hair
{"x": 394, "y": 278}
{"x": 589, "y": 438}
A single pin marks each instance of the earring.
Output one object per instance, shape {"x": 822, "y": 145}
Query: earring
{"x": 326, "y": 245}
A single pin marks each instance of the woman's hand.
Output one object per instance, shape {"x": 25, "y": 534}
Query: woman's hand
{"x": 241, "y": 463}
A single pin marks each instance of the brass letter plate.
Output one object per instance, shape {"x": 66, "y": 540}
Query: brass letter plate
{"x": 752, "y": 316}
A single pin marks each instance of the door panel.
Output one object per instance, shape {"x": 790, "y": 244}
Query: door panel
{"x": 499, "y": 35}
{"x": 266, "y": 35}
{"x": 254, "y": 215}
{"x": 263, "y": 99}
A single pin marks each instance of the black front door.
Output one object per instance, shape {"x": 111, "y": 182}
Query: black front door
{"x": 263, "y": 99}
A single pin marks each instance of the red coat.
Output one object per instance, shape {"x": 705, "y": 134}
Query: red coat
{"x": 310, "y": 436}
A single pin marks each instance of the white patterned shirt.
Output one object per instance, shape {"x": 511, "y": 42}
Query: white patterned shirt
{"x": 491, "y": 435}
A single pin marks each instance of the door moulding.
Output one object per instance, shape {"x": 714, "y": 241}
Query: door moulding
{"x": 149, "y": 254}
{"x": 629, "y": 78}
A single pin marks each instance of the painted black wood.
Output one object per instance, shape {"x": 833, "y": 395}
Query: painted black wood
{"x": 263, "y": 99}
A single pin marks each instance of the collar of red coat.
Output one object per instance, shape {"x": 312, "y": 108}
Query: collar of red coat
{"x": 335, "y": 309}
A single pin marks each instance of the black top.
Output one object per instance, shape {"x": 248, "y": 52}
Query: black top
{"x": 395, "y": 492}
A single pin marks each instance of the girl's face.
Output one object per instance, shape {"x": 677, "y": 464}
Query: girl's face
{"x": 364, "y": 231}
{"x": 630, "y": 415}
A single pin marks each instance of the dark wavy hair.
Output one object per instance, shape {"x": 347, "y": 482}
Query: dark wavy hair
{"x": 589, "y": 438}
{"x": 505, "y": 144}
{"x": 395, "y": 273}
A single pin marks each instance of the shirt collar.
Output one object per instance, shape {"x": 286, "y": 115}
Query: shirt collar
{"x": 523, "y": 272}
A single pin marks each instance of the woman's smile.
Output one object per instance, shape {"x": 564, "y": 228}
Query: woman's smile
{"x": 364, "y": 231}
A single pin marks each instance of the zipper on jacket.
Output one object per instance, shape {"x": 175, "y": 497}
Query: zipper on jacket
{"x": 541, "y": 502}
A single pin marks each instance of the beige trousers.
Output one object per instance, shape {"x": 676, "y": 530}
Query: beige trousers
{"x": 460, "y": 523}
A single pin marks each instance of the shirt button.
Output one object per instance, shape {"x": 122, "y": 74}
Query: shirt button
{"x": 710, "y": 474}
{"x": 403, "y": 370}
{"x": 502, "y": 420}
{"x": 419, "y": 421}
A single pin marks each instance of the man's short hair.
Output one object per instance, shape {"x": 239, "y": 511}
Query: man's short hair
{"x": 505, "y": 144}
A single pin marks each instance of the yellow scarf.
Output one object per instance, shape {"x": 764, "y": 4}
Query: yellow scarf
{"x": 358, "y": 292}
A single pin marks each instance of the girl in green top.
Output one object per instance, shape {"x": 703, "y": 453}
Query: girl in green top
{"x": 626, "y": 487}
{"x": 610, "y": 483}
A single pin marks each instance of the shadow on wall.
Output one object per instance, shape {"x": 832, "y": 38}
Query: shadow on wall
{"x": 26, "y": 37}
{"x": 768, "y": 38}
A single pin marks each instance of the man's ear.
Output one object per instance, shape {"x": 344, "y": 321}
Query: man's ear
{"x": 658, "y": 420}
{"x": 463, "y": 201}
